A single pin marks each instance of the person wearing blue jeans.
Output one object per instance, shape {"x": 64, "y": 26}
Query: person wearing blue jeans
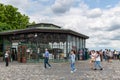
{"x": 72, "y": 61}
{"x": 46, "y": 59}
{"x": 98, "y": 61}
{"x": 98, "y": 64}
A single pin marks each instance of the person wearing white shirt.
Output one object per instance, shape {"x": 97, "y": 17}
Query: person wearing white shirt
{"x": 98, "y": 61}
{"x": 6, "y": 58}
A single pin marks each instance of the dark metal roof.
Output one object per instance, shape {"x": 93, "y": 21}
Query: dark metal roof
{"x": 34, "y": 30}
{"x": 43, "y": 24}
{"x": 43, "y": 27}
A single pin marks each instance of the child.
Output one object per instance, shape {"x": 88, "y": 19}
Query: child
{"x": 72, "y": 61}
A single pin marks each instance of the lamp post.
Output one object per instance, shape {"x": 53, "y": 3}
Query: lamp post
{"x": 36, "y": 41}
{"x": 36, "y": 35}
{"x": 37, "y": 49}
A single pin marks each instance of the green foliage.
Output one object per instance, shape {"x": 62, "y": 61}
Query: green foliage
{"x": 4, "y": 26}
{"x": 11, "y": 19}
{"x": 1, "y": 54}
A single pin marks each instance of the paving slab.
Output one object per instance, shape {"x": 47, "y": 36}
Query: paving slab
{"x": 59, "y": 71}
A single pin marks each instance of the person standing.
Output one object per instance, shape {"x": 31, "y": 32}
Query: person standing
{"x": 46, "y": 59}
{"x": 72, "y": 61}
{"x": 6, "y": 58}
{"x": 81, "y": 54}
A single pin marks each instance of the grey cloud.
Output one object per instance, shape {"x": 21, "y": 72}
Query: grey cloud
{"x": 94, "y": 13}
{"x": 108, "y": 38}
{"x": 101, "y": 42}
{"x": 113, "y": 27}
{"x": 104, "y": 43}
{"x": 116, "y": 37}
{"x": 97, "y": 29}
{"x": 61, "y": 6}
{"x": 59, "y": 9}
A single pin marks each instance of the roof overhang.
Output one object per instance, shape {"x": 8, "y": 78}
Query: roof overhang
{"x": 38, "y": 30}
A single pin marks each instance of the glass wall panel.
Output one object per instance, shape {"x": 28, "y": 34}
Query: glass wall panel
{"x": 70, "y": 43}
{"x": 82, "y": 43}
{"x": 78, "y": 44}
{"x": 74, "y": 43}
{"x": 58, "y": 44}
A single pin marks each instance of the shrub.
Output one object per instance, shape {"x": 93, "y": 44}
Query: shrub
{"x": 1, "y": 54}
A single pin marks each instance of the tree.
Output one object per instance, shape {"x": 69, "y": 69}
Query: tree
{"x": 11, "y": 19}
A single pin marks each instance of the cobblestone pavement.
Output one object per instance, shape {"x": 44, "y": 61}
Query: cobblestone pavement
{"x": 59, "y": 71}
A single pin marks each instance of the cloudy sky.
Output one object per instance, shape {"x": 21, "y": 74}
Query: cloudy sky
{"x": 98, "y": 19}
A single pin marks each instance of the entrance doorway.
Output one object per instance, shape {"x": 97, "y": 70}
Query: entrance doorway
{"x": 14, "y": 54}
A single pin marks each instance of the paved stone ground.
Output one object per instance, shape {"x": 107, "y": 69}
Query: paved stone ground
{"x": 59, "y": 71}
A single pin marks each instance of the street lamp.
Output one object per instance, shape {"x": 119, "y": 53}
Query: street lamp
{"x": 36, "y": 40}
{"x": 37, "y": 49}
{"x": 36, "y": 35}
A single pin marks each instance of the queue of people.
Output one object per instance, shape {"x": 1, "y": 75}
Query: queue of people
{"x": 108, "y": 55}
{"x": 96, "y": 57}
